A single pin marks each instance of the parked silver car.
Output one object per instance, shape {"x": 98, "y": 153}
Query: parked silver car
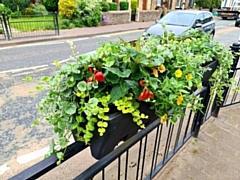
{"x": 181, "y": 20}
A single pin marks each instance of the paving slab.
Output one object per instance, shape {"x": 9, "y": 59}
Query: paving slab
{"x": 214, "y": 155}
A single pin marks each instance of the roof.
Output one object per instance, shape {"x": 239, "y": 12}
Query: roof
{"x": 191, "y": 11}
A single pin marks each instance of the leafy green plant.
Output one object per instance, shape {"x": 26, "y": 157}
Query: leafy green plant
{"x": 4, "y": 9}
{"x": 124, "y": 5}
{"x": 16, "y": 5}
{"x": 161, "y": 71}
{"x": 89, "y": 12}
{"x": 105, "y": 6}
{"x": 39, "y": 9}
{"x": 112, "y": 6}
{"x": 134, "y": 5}
{"x": 51, "y": 5}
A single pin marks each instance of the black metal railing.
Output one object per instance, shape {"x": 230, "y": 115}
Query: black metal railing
{"x": 14, "y": 27}
{"x": 144, "y": 154}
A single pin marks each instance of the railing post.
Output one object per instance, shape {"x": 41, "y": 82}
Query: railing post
{"x": 235, "y": 47}
{"x": 56, "y": 22}
{"x": 6, "y": 26}
{"x": 199, "y": 116}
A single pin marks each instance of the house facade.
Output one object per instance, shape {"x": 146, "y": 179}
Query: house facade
{"x": 152, "y": 4}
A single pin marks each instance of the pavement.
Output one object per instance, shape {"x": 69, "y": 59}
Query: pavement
{"x": 213, "y": 156}
{"x": 67, "y": 34}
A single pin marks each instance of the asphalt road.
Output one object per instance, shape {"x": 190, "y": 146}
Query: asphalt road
{"x": 18, "y": 107}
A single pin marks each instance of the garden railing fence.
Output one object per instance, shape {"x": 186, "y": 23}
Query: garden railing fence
{"x": 145, "y": 154}
{"x": 13, "y": 27}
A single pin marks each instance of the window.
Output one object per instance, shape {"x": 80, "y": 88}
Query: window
{"x": 200, "y": 18}
{"x": 207, "y": 18}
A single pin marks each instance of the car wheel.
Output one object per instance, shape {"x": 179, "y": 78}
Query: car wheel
{"x": 236, "y": 24}
{"x": 224, "y": 18}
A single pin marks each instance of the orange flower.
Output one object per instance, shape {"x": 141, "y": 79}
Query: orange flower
{"x": 161, "y": 68}
{"x": 180, "y": 99}
{"x": 155, "y": 72}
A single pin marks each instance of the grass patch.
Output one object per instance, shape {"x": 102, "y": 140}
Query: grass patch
{"x": 27, "y": 24}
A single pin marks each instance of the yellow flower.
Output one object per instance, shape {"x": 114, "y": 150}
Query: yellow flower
{"x": 162, "y": 68}
{"x": 78, "y": 94}
{"x": 178, "y": 73}
{"x": 155, "y": 72}
{"x": 188, "y": 77}
{"x": 164, "y": 118}
{"x": 180, "y": 99}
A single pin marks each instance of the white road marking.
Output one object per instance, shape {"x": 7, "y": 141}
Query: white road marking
{"x": 3, "y": 169}
{"x": 32, "y": 156}
{"x": 23, "y": 69}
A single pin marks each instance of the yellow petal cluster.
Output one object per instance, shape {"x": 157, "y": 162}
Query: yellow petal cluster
{"x": 178, "y": 73}
{"x": 164, "y": 118}
{"x": 180, "y": 99}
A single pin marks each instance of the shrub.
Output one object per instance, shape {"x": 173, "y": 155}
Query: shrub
{"x": 134, "y": 5}
{"x": 105, "y": 6}
{"x": 112, "y": 6}
{"x": 64, "y": 23}
{"x": 89, "y": 11}
{"x": 28, "y": 11}
{"x": 124, "y": 5}
{"x": 39, "y": 9}
{"x": 66, "y": 8}
{"x": 4, "y": 9}
{"x": 16, "y": 5}
{"x": 51, "y": 5}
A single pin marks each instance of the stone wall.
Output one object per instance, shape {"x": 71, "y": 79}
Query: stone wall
{"x": 116, "y": 17}
{"x": 147, "y": 15}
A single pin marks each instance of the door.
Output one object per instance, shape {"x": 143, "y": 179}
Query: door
{"x": 144, "y": 5}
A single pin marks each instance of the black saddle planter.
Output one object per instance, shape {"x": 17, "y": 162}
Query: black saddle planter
{"x": 213, "y": 65}
{"x": 120, "y": 128}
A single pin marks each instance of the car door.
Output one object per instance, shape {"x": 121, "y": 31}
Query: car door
{"x": 198, "y": 21}
{"x": 208, "y": 22}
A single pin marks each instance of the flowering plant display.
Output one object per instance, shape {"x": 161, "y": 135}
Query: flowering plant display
{"x": 162, "y": 71}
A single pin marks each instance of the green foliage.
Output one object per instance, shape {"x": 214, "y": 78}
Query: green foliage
{"x": 51, "y": 5}
{"x": 208, "y": 4}
{"x": 36, "y": 9}
{"x": 66, "y": 8}
{"x": 39, "y": 9}
{"x": 88, "y": 12}
{"x": 112, "y": 6}
{"x": 124, "y": 5}
{"x": 134, "y": 5}
{"x": 16, "y": 5}
{"x": 4, "y": 9}
{"x": 105, "y": 6}
{"x": 123, "y": 74}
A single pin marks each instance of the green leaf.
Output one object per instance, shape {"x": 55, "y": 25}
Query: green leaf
{"x": 116, "y": 93}
{"x": 67, "y": 92}
{"x": 82, "y": 86}
{"x": 35, "y": 122}
{"x": 70, "y": 108}
{"x": 93, "y": 101}
{"x": 126, "y": 73}
{"x": 27, "y": 79}
{"x": 109, "y": 61}
{"x": 133, "y": 85}
{"x": 156, "y": 62}
{"x": 71, "y": 82}
{"x": 112, "y": 78}
{"x": 125, "y": 87}
{"x": 39, "y": 88}
{"x": 57, "y": 64}
{"x": 45, "y": 79}
{"x": 154, "y": 82}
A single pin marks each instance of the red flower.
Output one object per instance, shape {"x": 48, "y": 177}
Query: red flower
{"x": 95, "y": 70}
{"x": 145, "y": 94}
{"x": 90, "y": 70}
{"x": 142, "y": 83}
{"x": 99, "y": 76}
{"x": 151, "y": 95}
{"x": 140, "y": 98}
{"x": 89, "y": 80}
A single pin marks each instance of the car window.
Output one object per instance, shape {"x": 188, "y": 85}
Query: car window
{"x": 178, "y": 18}
{"x": 200, "y": 18}
{"x": 207, "y": 18}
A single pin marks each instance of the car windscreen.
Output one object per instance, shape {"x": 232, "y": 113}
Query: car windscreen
{"x": 178, "y": 19}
